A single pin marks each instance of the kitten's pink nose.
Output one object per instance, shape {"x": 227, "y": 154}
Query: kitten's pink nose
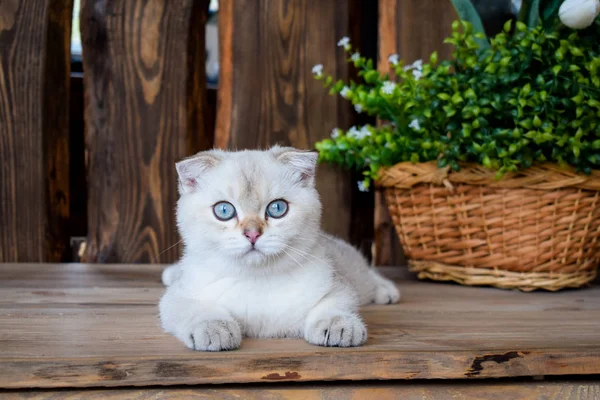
{"x": 252, "y": 235}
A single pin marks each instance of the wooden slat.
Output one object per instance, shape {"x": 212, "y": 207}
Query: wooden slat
{"x": 145, "y": 84}
{"x": 569, "y": 390}
{"x": 34, "y": 129}
{"x": 413, "y": 29}
{"x": 96, "y": 325}
{"x": 267, "y": 94}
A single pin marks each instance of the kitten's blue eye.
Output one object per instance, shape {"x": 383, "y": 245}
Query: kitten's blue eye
{"x": 277, "y": 208}
{"x": 224, "y": 211}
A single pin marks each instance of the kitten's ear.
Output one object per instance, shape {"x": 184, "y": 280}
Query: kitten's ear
{"x": 303, "y": 161}
{"x": 191, "y": 168}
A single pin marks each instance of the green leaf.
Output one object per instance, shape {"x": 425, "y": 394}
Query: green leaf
{"x": 467, "y": 12}
{"x": 549, "y": 11}
{"x": 530, "y": 13}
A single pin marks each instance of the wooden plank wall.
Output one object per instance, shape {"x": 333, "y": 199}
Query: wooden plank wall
{"x": 413, "y": 29}
{"x": 267, "y": 94}
{"x": 34, "y": 126}
{"x": 145, "y": 91}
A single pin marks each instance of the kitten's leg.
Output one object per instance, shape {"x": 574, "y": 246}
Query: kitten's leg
{"x": 198, "y": 325}
{"x": 385, "y": 291}
{"x": 335, "y": 322}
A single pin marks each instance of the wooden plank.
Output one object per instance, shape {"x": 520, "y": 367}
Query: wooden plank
{"x": 145, "y": 83}
{"x": 569, "y": 390}
{"x": 96, "y": 325}
{"x": 413, "y": 29}
{"x": 267, "y": 93}
{"x": 34, "y": 129}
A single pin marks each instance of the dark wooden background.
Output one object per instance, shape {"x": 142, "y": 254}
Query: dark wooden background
{"x": 87, "y": 156}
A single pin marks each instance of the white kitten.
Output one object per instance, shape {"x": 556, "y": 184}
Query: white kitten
{"x": 255, "y": 261}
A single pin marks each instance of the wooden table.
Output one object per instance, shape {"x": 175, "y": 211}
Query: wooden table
{"x": 76, "y": 326}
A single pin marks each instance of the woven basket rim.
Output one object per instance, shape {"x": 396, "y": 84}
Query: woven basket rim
{"x": 503, "y": 279}
{"x": 546, "y": 176}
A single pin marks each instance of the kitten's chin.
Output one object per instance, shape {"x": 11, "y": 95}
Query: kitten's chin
{"x": 257, "y": 258}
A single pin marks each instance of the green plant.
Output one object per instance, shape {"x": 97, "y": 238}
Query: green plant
{"x": 531, "y": 95}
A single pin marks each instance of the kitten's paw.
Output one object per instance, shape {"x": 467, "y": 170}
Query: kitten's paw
{"x": 386, "y": 292}
{"x": 340, "y": 331}
{"x": 170, "y": 274}
{"x": 215, "y": 335}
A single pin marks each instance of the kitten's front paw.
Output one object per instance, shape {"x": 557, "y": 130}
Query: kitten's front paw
{"x": 386, "y": 292}
{"x": 215, "y": 335}
{"x": 340, "y": 331}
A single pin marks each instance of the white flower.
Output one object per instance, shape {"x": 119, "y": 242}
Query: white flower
{"x": 417, "y": 65}
{"x": 355, "y": 56}
{"x": 345, "y": 92}
{"x": 358, "y": 107}
{"x": 318, "y": 70}
{"x": 335, "y": 133}
{"x": 394, "y": 59}
{"x": 354, "y": 133}
{"x": 388, "y": 87}
{"x": 359, "y": 134}
{"x": 414, "y": 124}
{"x": 579, "y": 14}
{"x": 344, "y": 42}
{"x": 362, "y": 186}
{"x": 364, "y": 132}
{"x": 417, "y": 74}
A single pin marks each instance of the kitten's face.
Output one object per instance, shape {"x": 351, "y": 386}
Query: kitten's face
{"x": 251, "y": 207}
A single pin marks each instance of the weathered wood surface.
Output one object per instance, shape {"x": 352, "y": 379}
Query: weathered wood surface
{"x": 412, "y": 29}
{"x": 34, "y": 129}
{"x": 267, "y": 94}
{"x": 77, "y": 325}
{"x": 568, "y": 390}
{"x": 145, "y": 85}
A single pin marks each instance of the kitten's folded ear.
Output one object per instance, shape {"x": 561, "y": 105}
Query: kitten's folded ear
{"x": 191, "y": 168}
{"x": 303, "y": 161}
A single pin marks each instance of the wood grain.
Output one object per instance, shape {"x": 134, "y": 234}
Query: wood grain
{"x": 145, "y": 83}
{"x": 77, "y": 325}
{"x": 267, "y": 94}
{"x": 569, "y": 390}
{"x": 413, "y": 29}
{"x": 34, "y": 129}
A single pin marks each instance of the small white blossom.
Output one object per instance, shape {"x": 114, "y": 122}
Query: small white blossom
{"x": 364, "y": 132}
{"x": 345, "y": 92}
{"x": 355, "y": 56}
{"x": 354, "y": 132}
{"x": 388, "y": 87}
{"x": 362, "y": 186}
{"x": 417, "y": 65}
{"x": 414, "y": 124}
{"x": 579, "y": 14}
{"x": 318, "y": 70}
{"x": 344, "y": 42}
{"x": 358, "y": 107}
{"x": 417, "y": 74}
{"x": 335, "y": 133}
{"x": 388, "y": 145}
{"x": 394, "y": 59}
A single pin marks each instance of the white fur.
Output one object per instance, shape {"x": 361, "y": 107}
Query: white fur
{"x": 297, "y": 282}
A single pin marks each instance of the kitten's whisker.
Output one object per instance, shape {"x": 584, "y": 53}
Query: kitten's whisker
{"x": 165, "y": 250}
{"x": 303, "y": 253}
{"x": 292, "y": 257}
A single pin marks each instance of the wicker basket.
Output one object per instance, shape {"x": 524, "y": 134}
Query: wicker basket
{"x": 538, "y": 229}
